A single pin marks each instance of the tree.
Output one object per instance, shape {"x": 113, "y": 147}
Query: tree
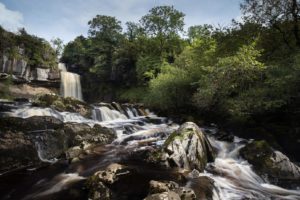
{"x": 275, "y": 13}
{"x": 105, "y": 28}
{"x": 105, "y": 34}
{"x": 58, "y": 46}
{"x": 163, "y": 23}
{"x": 232, "y": 77}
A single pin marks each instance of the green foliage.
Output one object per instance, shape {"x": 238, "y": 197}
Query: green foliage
{"x": 231, "y": 77}
{"x": 170, "y": 89}
{"x": 216, "y": 70}
{"x": 147, "y": 68}
{"x": 36, "y": 51}
{"x": 134, "y": 95}
{"x": 58, "y": 46}
{"x": 5, "y": 88}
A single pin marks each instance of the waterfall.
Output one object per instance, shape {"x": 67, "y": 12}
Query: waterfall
{"x": 103, "y": 113}
{"x": 70, "y": 83}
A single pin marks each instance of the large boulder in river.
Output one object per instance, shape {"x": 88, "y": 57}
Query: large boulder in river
{"x": 67, "y": 104}
{"x": 188, "y": 148}
{"x": 267, "y": 161}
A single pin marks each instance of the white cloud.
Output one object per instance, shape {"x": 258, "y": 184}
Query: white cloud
{"x": 9, "y": 19}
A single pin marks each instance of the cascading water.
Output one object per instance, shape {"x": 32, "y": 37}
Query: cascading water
{"x": 234, "y": 178}
{"x": 70, "y": 83}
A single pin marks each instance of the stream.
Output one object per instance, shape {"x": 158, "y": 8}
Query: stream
{"x": 234, "y": 178}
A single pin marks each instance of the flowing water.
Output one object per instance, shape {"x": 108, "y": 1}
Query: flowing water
{"x": 233, "y": 176}
{"x": 70, "y": 83}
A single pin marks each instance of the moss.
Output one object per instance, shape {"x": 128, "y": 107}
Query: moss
{"x": 259, "y": 154}
{"x": 178, "y": 135}
{"x": 61, "y": 104}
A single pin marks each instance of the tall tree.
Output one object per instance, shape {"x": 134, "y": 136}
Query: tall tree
{"x": 275, "y": 13}
{"x": 164, "y": 23}
{"x": 105, "y": 33}
{"x": 58, "y": 46}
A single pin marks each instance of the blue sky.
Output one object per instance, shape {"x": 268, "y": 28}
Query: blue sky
{"x": 67, "y": 19}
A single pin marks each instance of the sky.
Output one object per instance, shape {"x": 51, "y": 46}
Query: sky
{"x": 68, "y": 19}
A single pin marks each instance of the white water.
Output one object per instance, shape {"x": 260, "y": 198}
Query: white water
{"x": 235, "y": 179}
{"x": 58, "y": 183}
{"x": 70, "y": 83}
{"x": 233, "y": 176}
{"x": 103, "y": 113}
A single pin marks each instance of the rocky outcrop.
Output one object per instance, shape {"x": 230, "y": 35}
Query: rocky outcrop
{"x": 267, "y": 161}
{"x": 187, "y": 148}
{"x": 16, "y": 150}
{"x": 23, "y": 73}
{"x": 82, "y": 139}
{"x": 46, "y": 138}
{"x": 61, "y": 104}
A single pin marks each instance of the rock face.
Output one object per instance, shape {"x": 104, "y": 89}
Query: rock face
{"x": 267, "y": 161}
{"x": 188, "y": 148}
{"x": 64, "y": 104}
{"x": 45, "y": 138}
{"x": 22, "y": 72}
{"x": 16, "y": 150}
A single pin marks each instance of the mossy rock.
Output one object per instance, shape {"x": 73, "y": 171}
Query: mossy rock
{"x": 61, "y": 104}
{"x": 267, "y": 161}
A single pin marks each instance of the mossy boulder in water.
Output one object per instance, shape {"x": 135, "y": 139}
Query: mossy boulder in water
{"x": 267, "y": 161}
{"x": 61, "y": 104}
{"x": 188, "y": 148}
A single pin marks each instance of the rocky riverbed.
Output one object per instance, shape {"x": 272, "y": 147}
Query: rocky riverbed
{"x": 61, "y": 148}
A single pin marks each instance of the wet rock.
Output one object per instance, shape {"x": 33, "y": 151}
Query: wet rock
{"x": 116, "y": 180}
{"x": 73, "y": 153}
{"x": 16, "y": 150}
{"x": 67, "y": 104}
{"x": 188, "y": 148}
{"x": 203, "y": 187}
{"x": 97, "y": 190}
{"x": 47, "y": 138}
{"x": 86, "y": 136}
{"x": 30, "y": 124}
{"x": 113, "y": 173}
{"x": 267, "y": 161}
{"x": 224, "y": 136}
{"x": 170, "y": 195}
{"x": 159, "y": 187}
{"x": 186, "y": 193}
{"x": 169, "y": 190}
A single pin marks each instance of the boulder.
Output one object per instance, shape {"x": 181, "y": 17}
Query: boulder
{"x": 170, "y": 195}
{"x": 169, "y": 190}
{"x": 116, "y": 180}
{"x": 267, "y": 161}
{"x": 97, "y": 190}
{"x": 113, "y": 173}
{"x": 188, "y": 148}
